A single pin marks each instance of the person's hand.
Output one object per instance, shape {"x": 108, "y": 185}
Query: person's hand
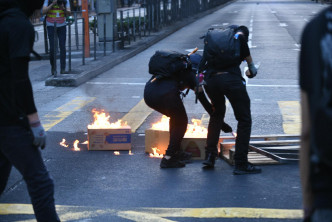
{"x": 54, "y": 2}
{"x": 226, "y": 128}
{"x": 252, "y": 70}
{"x": 39, "y": 135}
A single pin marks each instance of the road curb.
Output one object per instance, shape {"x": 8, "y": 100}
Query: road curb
{"x": 108, "y": 62}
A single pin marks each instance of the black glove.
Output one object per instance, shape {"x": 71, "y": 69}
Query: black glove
{"x": 226, "y": 128}
{"x": 252, "y": 70}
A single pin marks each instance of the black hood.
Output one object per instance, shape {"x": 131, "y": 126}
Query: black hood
{"x": 7, "y": 4}
{"x": 26, "y": 6}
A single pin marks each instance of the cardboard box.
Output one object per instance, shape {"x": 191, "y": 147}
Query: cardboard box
{"x": 109, "y": 139}
{"x": 160, "y": 140}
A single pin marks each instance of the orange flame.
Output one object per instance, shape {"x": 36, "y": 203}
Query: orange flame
{"x": 193, "y": 130}
{"x": 85, "y": 142}
{"x": 101, "y": 121}
{"x": 163, "y": 124}
{"x": 76, "y": 148}
{"x": 63, "y": 143}
{"x": 130, "y": 153}
{"x": 234, "y": 134}
{"x": 155, "y": 154}
{"x": 116, "y": 153}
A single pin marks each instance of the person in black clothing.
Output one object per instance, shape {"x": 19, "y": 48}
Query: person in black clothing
{"x": 229, "y": 82}
{"x": 21, "y": 132}
{"x": 316, "y": 105}
{"x": 164, "y": 96}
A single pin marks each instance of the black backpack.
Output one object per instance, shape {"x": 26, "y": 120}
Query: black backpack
{"x": 168, "y": 64}
{"x": 222, "y": 48}
{"x": 321, "y": 114}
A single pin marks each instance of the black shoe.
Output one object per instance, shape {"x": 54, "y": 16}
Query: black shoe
{"x": 173, "y": 162}
{"x": 53, "y": 72}
{"x": 185, "y": 156}
{"x": 226, "y": 128}
{"x": 210, "y": 159}
{"x": 63, "y": 71}
{"x": 247, "y": 168}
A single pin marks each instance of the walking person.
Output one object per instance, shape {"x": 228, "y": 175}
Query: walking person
{"x": 56, "y": 12}
{"x": 21, "y": 132}
{"x": 316, "y": 106}
{"x": 223, "y": 78}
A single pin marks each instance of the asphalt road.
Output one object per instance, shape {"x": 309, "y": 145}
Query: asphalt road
{"x": 101, "y": 186}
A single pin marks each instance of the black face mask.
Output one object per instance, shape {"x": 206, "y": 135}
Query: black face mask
{"x": 29, "y": 6}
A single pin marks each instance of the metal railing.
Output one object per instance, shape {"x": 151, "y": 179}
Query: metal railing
{"x": 131, "y": 24}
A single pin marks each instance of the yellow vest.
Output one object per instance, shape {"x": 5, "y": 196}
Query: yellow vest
{"x": 55, "y": 14}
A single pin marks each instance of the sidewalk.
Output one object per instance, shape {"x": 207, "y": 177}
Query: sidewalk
{"x": 93, "y": 68}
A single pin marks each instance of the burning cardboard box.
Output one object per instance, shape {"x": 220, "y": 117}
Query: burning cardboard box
{"x": 194, "y": 141}
{"x": 103, "y": 135}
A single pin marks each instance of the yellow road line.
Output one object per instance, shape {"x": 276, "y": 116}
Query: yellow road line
{"x": 227, "y": 212}
{"x": 6, "y": 209}
{"x": 67, "y": 213}
{"x": 136, "y": 116}
{"x": 290, "y": 111}
{"x": 58, "y": 115}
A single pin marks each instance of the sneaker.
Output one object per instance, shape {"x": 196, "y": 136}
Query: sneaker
{"x": 171, "y": 163}
{"x": 246, "y": 169}
{"x": 185, "y": 156}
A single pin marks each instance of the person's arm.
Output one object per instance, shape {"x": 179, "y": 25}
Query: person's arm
{"x": 24, "y": 98}
{"x": 66, "y": 9}
{"x": 47, "y": 8}
{"x": 205, "y": 102}
{"x": 305, "y": 155}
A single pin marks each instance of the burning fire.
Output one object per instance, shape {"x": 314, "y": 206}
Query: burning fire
{"x": 63, "y": 143}
{"x": 193, "y": 130}
{"x": 76, "y": 148}
{"x": 116, "y": 153}
{"x": 101, "y": 121}
{"x": 130, "y": 153}
{"x": 155, "y": 154}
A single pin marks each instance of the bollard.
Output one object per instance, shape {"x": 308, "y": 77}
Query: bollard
{"x": 94, "y": 38}
{"x": 55, "y": 41}
{"x": 128, "y": 27}
{"x": 104, "y": 34}
{"x": 69, "y": 47}
{"x": 45, "y": 36}
{"x": 121, "y": 26}
{"x": 76, "y": 31}
{"x": 134, "y": 25}
{"x": 83, "y": 41}
{"x": 139, "y": 22}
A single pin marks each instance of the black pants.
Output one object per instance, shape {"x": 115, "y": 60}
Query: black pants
{"x": 164, "y": 97}
{"x": 233, "y": 87}
{"x": 61, "y": 34}
{"x": 16, "y": 150}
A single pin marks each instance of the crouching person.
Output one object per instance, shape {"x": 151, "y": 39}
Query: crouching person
{"x": 171, "y": 74}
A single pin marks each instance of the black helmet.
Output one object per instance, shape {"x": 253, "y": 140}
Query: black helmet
{"x": 29, "y": 6}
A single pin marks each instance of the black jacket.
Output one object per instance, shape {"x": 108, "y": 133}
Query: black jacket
{"x": 16, "y": 38}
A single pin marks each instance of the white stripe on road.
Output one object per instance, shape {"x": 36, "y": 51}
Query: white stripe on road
{"x": 286, "y": 86}
{"x": 142, "y": 84}
{"x": 117, "y": 83}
